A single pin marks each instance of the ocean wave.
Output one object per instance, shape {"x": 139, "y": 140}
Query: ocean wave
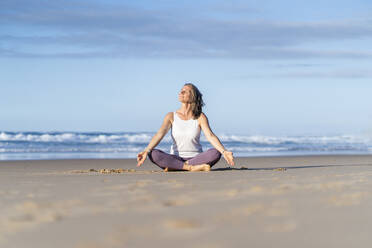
{"x": 145, "y": 137}
{"x": 270, "y": 140}
{"x": 76, "y": 137}
{"x": 70, "y": 150}
{"x": 256, "y": 149}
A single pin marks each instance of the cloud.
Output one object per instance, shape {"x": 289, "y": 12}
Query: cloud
{"x": 124, "y": 30}
{"x": 346, "y": 74}
{"x": 311, "y": 74}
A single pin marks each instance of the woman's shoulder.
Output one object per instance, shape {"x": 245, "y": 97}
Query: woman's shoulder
{"x": 169, "y": 116}
{"x": 202, "y": 117}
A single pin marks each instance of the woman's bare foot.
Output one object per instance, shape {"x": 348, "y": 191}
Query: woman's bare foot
{"x": 197, "y": 167}
{"x": 200, "y": 167}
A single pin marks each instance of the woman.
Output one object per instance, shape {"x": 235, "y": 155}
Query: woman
{"x": 186, "y": 151}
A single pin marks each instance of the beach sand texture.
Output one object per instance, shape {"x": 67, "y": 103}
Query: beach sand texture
{"x": 300, "y": 201}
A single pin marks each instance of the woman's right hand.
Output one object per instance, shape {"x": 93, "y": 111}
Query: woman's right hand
{"x": 141, "y": 157}
{"x": 228, "y": 156}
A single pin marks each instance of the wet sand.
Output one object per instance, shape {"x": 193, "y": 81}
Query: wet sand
{"x": 303, "y": 201}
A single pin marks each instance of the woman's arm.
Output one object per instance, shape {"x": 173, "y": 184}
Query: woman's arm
{"x": 163, "y": 130}
{"x": 213, "y": 139}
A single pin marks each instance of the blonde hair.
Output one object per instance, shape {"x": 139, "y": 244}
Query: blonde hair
{"x": 196, "y": 100}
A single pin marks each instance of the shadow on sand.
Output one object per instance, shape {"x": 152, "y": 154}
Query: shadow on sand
{"x": 287, "y": 167}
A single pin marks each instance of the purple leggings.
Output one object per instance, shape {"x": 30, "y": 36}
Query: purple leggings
{"x": 162, "y": 159}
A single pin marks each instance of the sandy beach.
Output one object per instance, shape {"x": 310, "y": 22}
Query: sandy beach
{"x": 299, "y": 201}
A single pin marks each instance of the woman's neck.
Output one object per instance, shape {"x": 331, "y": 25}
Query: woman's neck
{"x": 186, "y": 110}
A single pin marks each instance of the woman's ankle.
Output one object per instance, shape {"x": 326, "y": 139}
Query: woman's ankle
{"x": 186, "y": 166}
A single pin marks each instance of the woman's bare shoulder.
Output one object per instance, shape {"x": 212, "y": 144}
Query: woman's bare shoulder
{"x": 169, "y": 116}
{"x": 202, "y": 117}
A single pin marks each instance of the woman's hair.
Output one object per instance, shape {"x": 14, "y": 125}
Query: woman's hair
{"x": 196, "y": 100}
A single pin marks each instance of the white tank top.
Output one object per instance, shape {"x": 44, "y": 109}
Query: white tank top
{"x": 186, "y": 137}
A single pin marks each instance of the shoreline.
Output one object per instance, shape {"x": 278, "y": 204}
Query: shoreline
{"x": 239, "y": 161}
{"x": 252, "y": 155}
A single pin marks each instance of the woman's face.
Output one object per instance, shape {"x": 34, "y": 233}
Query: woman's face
{"x": 185, "y": 94}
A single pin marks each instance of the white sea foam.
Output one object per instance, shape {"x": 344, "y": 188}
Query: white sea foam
{"x": 270, "y": 140}
{"x": 256, "y": 149}
{"x": 75, "y": 137}
{"x": 146, "y": 137}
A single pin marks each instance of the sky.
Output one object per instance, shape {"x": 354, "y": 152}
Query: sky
{"x": 264, "y": 67}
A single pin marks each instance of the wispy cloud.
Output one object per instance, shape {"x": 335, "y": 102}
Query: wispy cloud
{"x": 122, "y": 30}
{"x": 346, "y": 74}
{"x": 311, "y": 74}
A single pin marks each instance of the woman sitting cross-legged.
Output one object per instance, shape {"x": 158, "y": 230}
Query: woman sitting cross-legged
{"x": 186, "y": 123}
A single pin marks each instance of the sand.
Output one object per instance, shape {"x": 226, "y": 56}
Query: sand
{"x": 304, "y": 201}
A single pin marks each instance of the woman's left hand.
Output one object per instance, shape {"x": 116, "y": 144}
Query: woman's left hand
{"x": 228, "y": 156}
{"x": 141, "y": 157}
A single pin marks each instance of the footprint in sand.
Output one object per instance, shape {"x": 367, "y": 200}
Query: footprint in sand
{"x": 179, "y": 201}
{"x": 173, "y": 183}
{"x": 250, "y": 209}
{"x": 284, "y": 188}
{"x": 257, "y": 210}
{"x": 348, "y": 199}
{"x": 29, "y": 214}
{"x": 256, "y": 190}
{"x": 333, "y": 185}
{"x": 275, "y": 209}
{"x": 182, "y": 224}
{"x": 131, "y": 187}
{"x": 231, "y": 193}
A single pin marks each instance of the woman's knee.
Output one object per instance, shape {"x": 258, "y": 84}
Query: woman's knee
{"x": 154, "y": 155}
{"x": 215, "y": 154}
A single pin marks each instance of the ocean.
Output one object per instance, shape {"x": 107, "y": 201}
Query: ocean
{"x": 78, "y": 145}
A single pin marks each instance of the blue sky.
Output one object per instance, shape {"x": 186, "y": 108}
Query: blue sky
{"x": 264, "y": 67}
